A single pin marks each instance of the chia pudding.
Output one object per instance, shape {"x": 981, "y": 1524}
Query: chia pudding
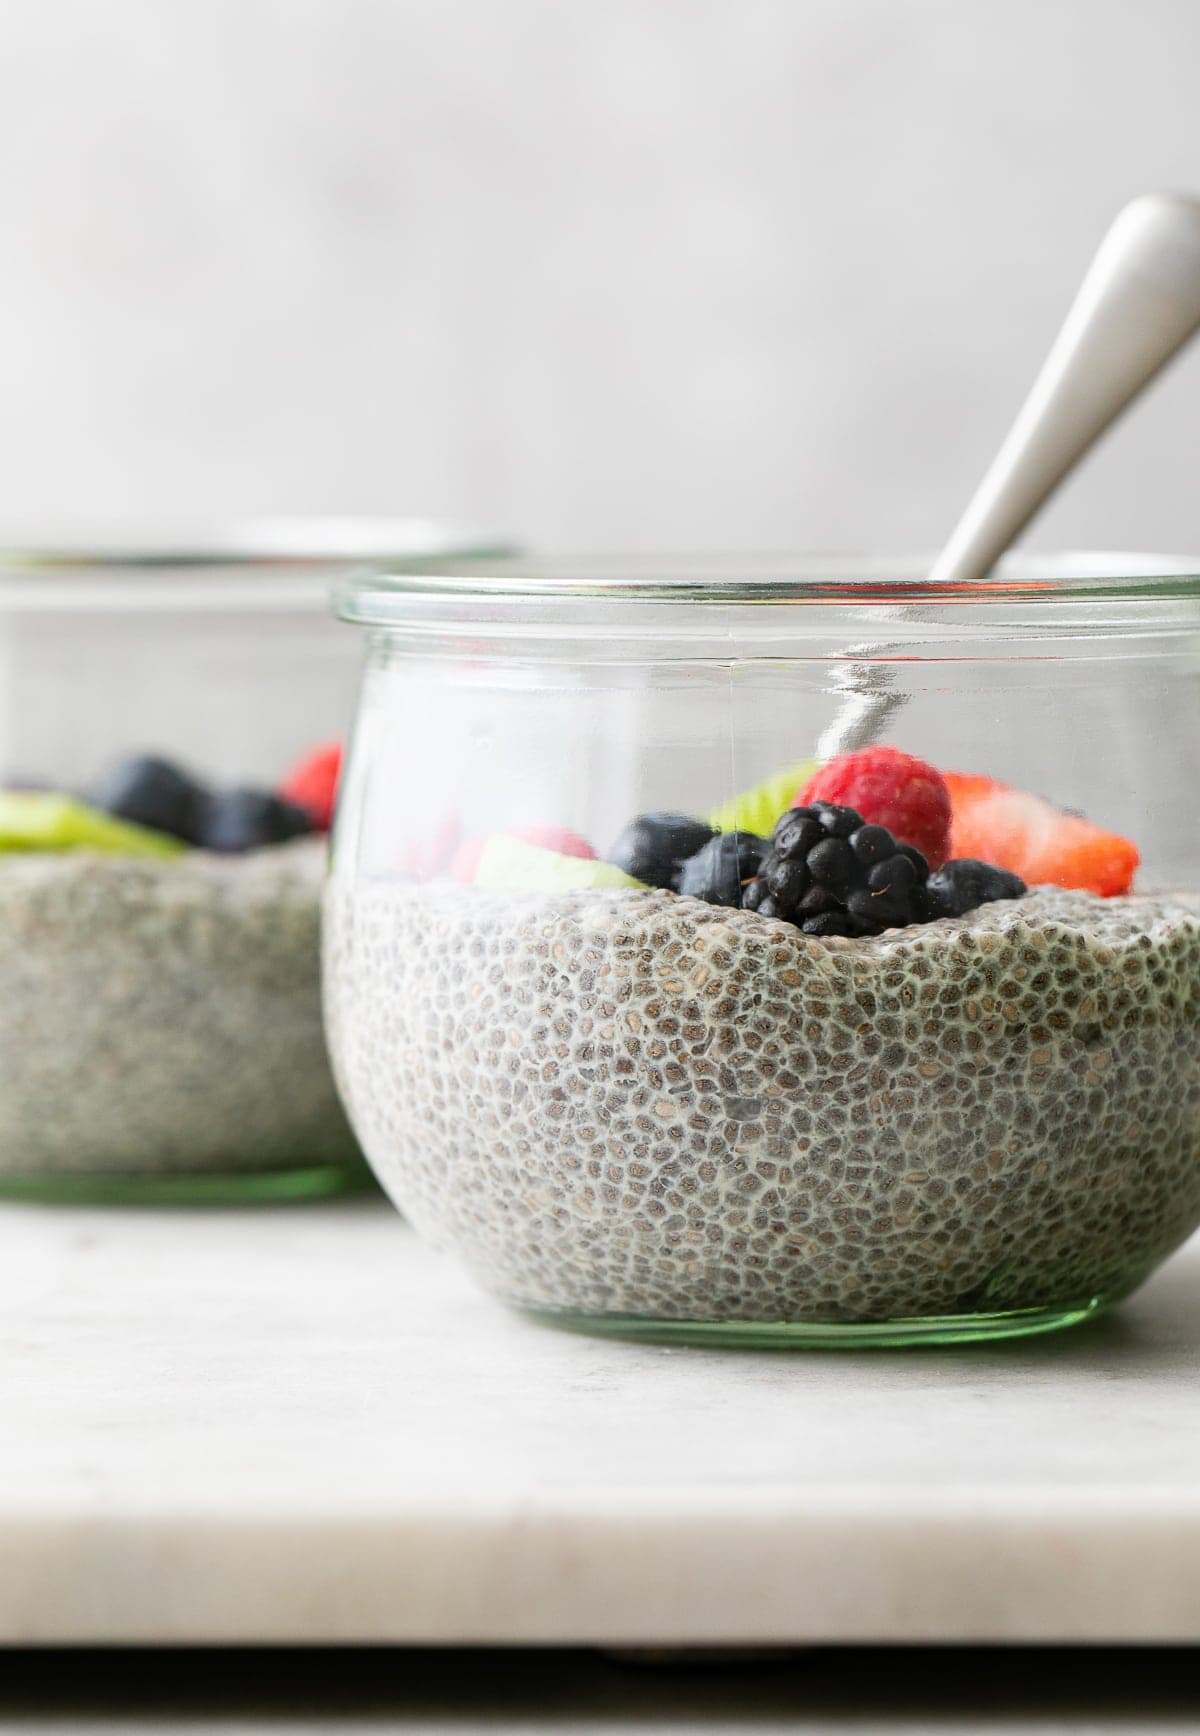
{"x": 630, "y": 1102}
{"x": 161, "y": 1018}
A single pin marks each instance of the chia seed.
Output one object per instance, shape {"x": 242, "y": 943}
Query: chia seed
{"x": 163, "y": 1017}
{"x": 635, "y": 1103}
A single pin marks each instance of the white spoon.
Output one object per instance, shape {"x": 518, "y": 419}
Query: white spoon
{"x": 1137, "y": 306}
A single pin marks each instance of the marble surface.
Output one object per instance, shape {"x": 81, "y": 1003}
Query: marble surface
{"x": 300, "y": 1425}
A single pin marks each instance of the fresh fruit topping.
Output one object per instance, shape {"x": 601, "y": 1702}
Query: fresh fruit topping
{"x": 654, "y": 847}
{"x": 426, "y": 858}
{"x": 558, "y": 839}
{"x": 718, "y": 871}
{"x": 244, "y": 819}
{"x": 46, "y": 820}
{"x": 464, "y": 864}
{"x": 312, "y": 784}
{"x": 892, "y": 789}
{"x": 508, "y": 863}
{"x": 832, "y": 873}
{"x": 964, "y": 884}
{"x": 757, "y": 810}
{"x": 1026, "y": 835}
{"x": 152, "y": 792}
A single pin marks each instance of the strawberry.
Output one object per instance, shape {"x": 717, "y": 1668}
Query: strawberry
{"x": 431, "y": 856}
{"x": 465, "y": 864}
{"x": 312, "y": 784}
{"x": 557, "y": 838}
{"x": 888, "y": 788}
{"x": 1026, "y": 835}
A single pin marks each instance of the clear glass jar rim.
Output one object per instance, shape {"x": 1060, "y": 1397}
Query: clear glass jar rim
{"x": 390, "y": 598}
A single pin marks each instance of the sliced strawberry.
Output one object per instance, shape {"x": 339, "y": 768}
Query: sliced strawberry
{"x": 430, "y": 857}
{"x": 312, "y": 784}
{"x": 997, "y": 823}
{"x": 559, "y": 839}
{"x": 465, "y": 863}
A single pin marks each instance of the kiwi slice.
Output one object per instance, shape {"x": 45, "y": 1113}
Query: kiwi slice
{"x": 511, "y": 864}
{"x": 48, "y": 820}
{"x": 758, "y": 810}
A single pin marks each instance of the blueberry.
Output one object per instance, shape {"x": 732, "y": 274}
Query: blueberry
{"x": 654, "y": 846}
{"x": 965, "y": 884}
{"x": 717, "y": 872}
{"x": 244, "y": 819}
{"x": 152, "y": 792}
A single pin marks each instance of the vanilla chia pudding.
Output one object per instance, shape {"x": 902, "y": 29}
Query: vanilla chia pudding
{"x": 631, "y": 1102}
{"x": 162, "y": 1017}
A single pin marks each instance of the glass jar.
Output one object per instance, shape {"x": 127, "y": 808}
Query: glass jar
{"x": 800, "y": 1084}
{"x": 160, "y": 1030}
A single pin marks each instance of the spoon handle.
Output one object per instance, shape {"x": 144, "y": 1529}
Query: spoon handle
{"x": 1139, "y": 302}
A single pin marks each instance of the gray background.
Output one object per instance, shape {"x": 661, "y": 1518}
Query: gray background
{"x": 603, "y": 272}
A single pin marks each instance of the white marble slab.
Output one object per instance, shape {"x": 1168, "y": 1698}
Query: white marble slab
{"x": 299, "y": 1425}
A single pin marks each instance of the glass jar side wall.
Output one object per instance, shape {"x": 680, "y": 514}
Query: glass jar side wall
{"x": 473, "y": 745}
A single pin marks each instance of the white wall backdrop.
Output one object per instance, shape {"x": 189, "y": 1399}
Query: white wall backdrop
{"x": 605, "y": 272}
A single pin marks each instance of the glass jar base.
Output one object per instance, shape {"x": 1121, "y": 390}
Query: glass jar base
{"x": 266, "y": 1187}
{"x": 861, "y": 1335}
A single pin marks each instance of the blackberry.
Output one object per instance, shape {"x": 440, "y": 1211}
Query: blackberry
{"x": 654, "y": 847}
{"x": 841, "y": 822}
{"x": 832, "y": 873}
{"x": 873, "y": 844}
{"x": 797, "y": 832}
{"x": 756, "y": 895}
{"x": 718, "y": 872}
{"x": 964, "y": 884}
{"x": 832, "y": 864}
